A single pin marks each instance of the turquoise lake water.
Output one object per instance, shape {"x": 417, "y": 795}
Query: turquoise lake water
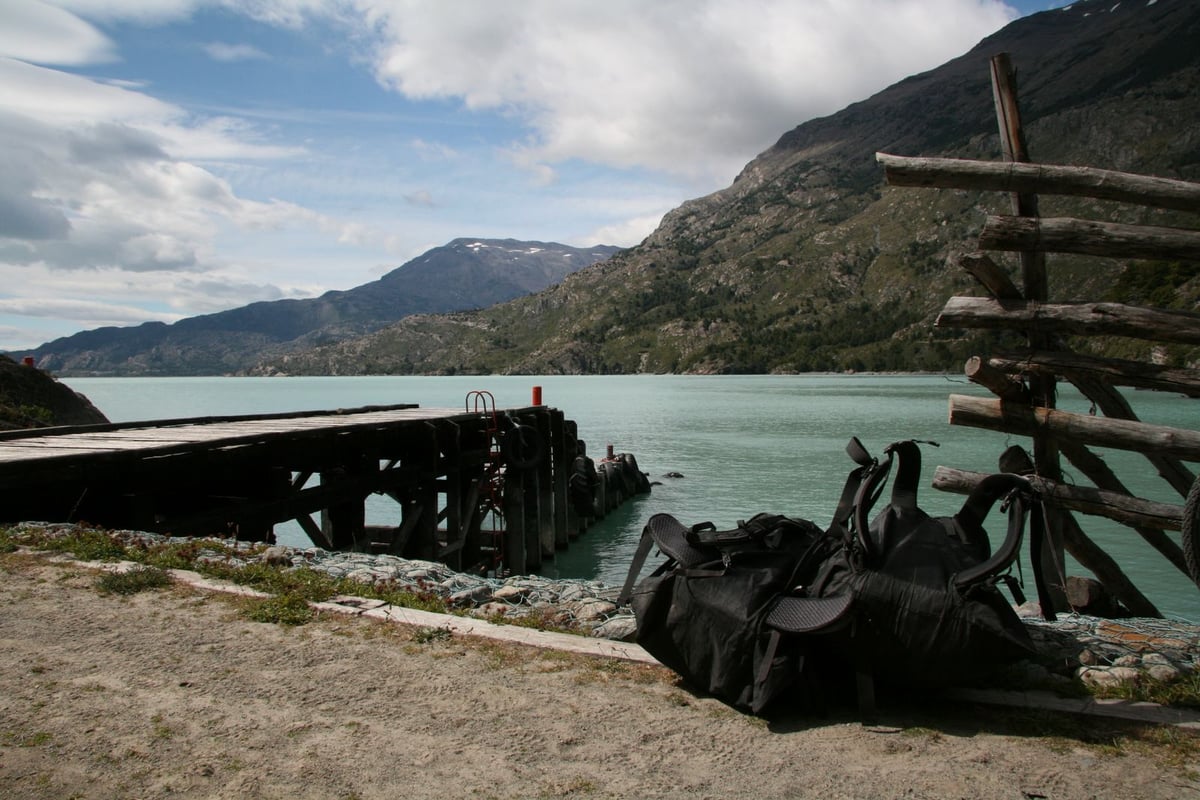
{"x": 744, "y": 444}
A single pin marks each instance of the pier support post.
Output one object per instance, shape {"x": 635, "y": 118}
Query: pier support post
{"x": 561, "y": 457}
{"x": 545, "y": 485}
{"x": 514, "y": 522}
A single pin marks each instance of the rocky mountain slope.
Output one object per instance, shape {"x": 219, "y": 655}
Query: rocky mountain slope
{"x": 464, "y": 274}
{"x": 808, "y": 262}
{"x": 31, "y": 398}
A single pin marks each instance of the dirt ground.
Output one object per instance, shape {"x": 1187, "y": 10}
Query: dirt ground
{"x": 173, "y": 693}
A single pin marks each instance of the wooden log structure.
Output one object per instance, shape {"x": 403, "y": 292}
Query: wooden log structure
{"x": 1024, "y": 382}
{"x": 482, "y": 489}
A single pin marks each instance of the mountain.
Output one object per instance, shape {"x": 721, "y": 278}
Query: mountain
{"x": 809, "y": 262}
{"x": 464, "y": 274}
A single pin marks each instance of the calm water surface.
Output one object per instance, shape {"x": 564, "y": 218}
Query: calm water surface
{"x": 743, "y": 443}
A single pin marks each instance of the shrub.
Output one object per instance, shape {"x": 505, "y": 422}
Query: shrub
{"x": 139, "y": 579}
{"x": 284, "y": 609}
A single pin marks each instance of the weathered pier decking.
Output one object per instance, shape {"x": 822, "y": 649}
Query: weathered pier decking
{"x": 477, "y": 489}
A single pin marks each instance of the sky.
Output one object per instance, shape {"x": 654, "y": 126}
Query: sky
{"x": 161, "y": 159}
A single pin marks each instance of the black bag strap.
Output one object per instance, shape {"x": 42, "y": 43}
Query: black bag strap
{"x": 635, "y": 567}
{"x": 1023, "y": 502}
{"x": 864, "y": 500}
{"x": 1037, "y": 539}
{"x": 845, "y": 507}
{"x": 976, "y": 507}
{"x": 908, "y": 476}
{"x": 752, "y": 530}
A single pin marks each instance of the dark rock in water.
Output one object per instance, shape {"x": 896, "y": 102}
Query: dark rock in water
{"x": 31, "y": 398}
{"x": 672, "y": 474}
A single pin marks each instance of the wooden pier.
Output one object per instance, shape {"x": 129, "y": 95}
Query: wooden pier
{"x": 479, "y": 488}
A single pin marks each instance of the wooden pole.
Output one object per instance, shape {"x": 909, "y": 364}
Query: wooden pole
{"x": 1089, "y": 237}
{"x": 545, "y": 472}
{"x": 1102, "y": 184}
{"x": 561, "y": 471}
{"x": 1035, "y": 288}
{"x": 515, "y": 545}
{"x": 1117, "y": 506}
{"x": 990, "y": 275}
{"x": 1119, "y": 372}
{"x": 1024, "y": 420}
{"x": 1087, "y": 319}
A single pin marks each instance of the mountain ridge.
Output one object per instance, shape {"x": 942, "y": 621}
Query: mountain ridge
{"x": 808, "y": 262}
{"x": 465, "y": 273}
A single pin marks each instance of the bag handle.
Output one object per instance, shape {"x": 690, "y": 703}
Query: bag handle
{"x": 671, "y": 536}
{"x": 976, "y": 507}
{"x": 1023, "y": 501}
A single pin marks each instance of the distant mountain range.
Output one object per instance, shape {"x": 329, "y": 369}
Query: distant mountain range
{"x": 808, "y": 262}
{"x": 464, "y": 274}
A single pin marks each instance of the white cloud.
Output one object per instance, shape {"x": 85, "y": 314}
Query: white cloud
{"x": 110, "y": 194}
{"x": 421, "y": 198}
{"x": 222, "y": 51}
{"x": 44, "y": 34}
{"x": 693, "y": 87}
{"x": 623, "y": 234}
{"x": 94, "y": 175}
{"x": 99, "y": 313}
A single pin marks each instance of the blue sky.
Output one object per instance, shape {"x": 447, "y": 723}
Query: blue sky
{"x": 161, "y": 159}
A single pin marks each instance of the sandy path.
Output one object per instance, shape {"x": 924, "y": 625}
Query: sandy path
{"x": 172, "y": 694}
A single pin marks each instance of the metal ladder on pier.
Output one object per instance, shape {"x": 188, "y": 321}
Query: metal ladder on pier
{"x": 491, "y": 496}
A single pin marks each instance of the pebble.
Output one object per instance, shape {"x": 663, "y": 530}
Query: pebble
{"x": 1099, "y": 652}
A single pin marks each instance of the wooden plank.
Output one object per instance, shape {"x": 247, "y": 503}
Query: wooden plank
{"x": 190, "y": 438}
{"x": 1088, "y": 319}
{"x": 113, "y": 426}
{"x": 1118, "y": 372}
{"x": 1089, "y": 237}
{"x": 1102, "y": 184}
{"x": 1023, "y": 420}
{"x": 1112, "y": 707}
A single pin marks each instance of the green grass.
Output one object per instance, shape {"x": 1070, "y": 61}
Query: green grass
{"x": 86, "y": 544}
{"x": 427, "y": 635}
{"x": 139, "y": 579}
{"x": 1181, "y": 693}
{"x": 284, "y": 609}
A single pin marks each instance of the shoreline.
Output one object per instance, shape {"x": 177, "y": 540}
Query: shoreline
{"x": 171, "y": 692}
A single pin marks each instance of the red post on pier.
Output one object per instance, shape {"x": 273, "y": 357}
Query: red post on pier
{"x": 537, "y": 395}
